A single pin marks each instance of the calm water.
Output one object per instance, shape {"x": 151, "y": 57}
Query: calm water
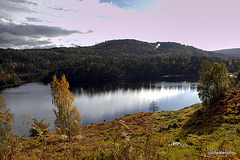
{"x": 100, "y": 101}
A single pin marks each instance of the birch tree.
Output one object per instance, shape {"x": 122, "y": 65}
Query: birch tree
{"x": 68, "y": 119}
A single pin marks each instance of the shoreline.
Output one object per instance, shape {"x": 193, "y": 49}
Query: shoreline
{"x": 162, "y": 78}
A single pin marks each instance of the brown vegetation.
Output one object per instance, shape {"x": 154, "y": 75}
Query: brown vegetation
{"x": 190, "y": 133}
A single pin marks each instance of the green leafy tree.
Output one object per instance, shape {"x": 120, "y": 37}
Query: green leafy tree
{"x": 6, "y": 119}
{"x": 68, "y": 119}
{"x": 205, "y": 67}
{"x": 213, "y": 82}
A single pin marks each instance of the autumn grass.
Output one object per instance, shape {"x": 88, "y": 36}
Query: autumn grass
{"x": 189, "y": 133}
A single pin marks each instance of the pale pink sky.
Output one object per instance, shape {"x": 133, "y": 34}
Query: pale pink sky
{"x": 205, "y": 24}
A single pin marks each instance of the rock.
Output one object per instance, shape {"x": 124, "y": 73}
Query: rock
{"x": 177, "y": 144}
{"x": 174, "y": 144}
{"x": 78, "y": 137}
{"x": 184, "y": 145}
{"x": 64, "y": 137}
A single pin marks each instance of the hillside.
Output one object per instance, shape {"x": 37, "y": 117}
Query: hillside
{"x": 234, "y": 52}
{"x": 129, "y": 47}
{"x": 111, "y": 60}
{"x": 190, "y": 133}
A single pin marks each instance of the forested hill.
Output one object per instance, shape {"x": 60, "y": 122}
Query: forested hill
{"x": 129, "y": 47}
{"x": 106, "y": 61}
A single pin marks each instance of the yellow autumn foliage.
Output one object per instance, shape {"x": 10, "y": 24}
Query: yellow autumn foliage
{"x": 68, "y": 120}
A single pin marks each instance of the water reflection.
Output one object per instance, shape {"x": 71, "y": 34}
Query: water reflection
{"x": 31, "y": 98}
{"x": 111, "y": 104}
{"x": 99, "y": 102}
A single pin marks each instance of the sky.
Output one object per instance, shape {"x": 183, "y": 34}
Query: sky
{"x": 205, "y": 24}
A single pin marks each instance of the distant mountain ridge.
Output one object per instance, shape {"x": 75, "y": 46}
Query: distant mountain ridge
{"x": 233, "y": 52}
{"x": 132, "y": 47}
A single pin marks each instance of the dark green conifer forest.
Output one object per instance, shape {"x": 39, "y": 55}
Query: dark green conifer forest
{"x": 111, "y": 60}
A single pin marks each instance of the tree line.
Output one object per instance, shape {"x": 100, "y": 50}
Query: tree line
{"x": 127, "y": 59}
{"x": 86, "y": 67}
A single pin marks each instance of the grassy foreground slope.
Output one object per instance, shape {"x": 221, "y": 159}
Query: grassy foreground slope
{"x": 189, "y": 133}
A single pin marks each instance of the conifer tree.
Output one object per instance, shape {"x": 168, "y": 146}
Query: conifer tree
{"x": 68, "y": 119}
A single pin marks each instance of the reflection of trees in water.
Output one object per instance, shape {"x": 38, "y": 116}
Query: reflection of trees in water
{"x": 101, "y": 87}
{"x": 136, "y": 85}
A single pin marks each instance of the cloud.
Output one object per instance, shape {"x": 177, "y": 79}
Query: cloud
{"x": 23, "y": 2}
{"x": 21, "y": 42}
{"x": 17, "y": 10}
{"x": 60, "y": 8}
{"x": 32, "y": 19}
{"x": 102, "y": 17}
{"x": 201, "y": 23}
{"x": 28, "y": 35}
{"x": 35, "y": 30}
{"x": 139, "y": 5}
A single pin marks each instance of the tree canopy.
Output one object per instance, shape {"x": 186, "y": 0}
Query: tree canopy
{"x": 214, "y": 81}
{"x": 105, "y": 61}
